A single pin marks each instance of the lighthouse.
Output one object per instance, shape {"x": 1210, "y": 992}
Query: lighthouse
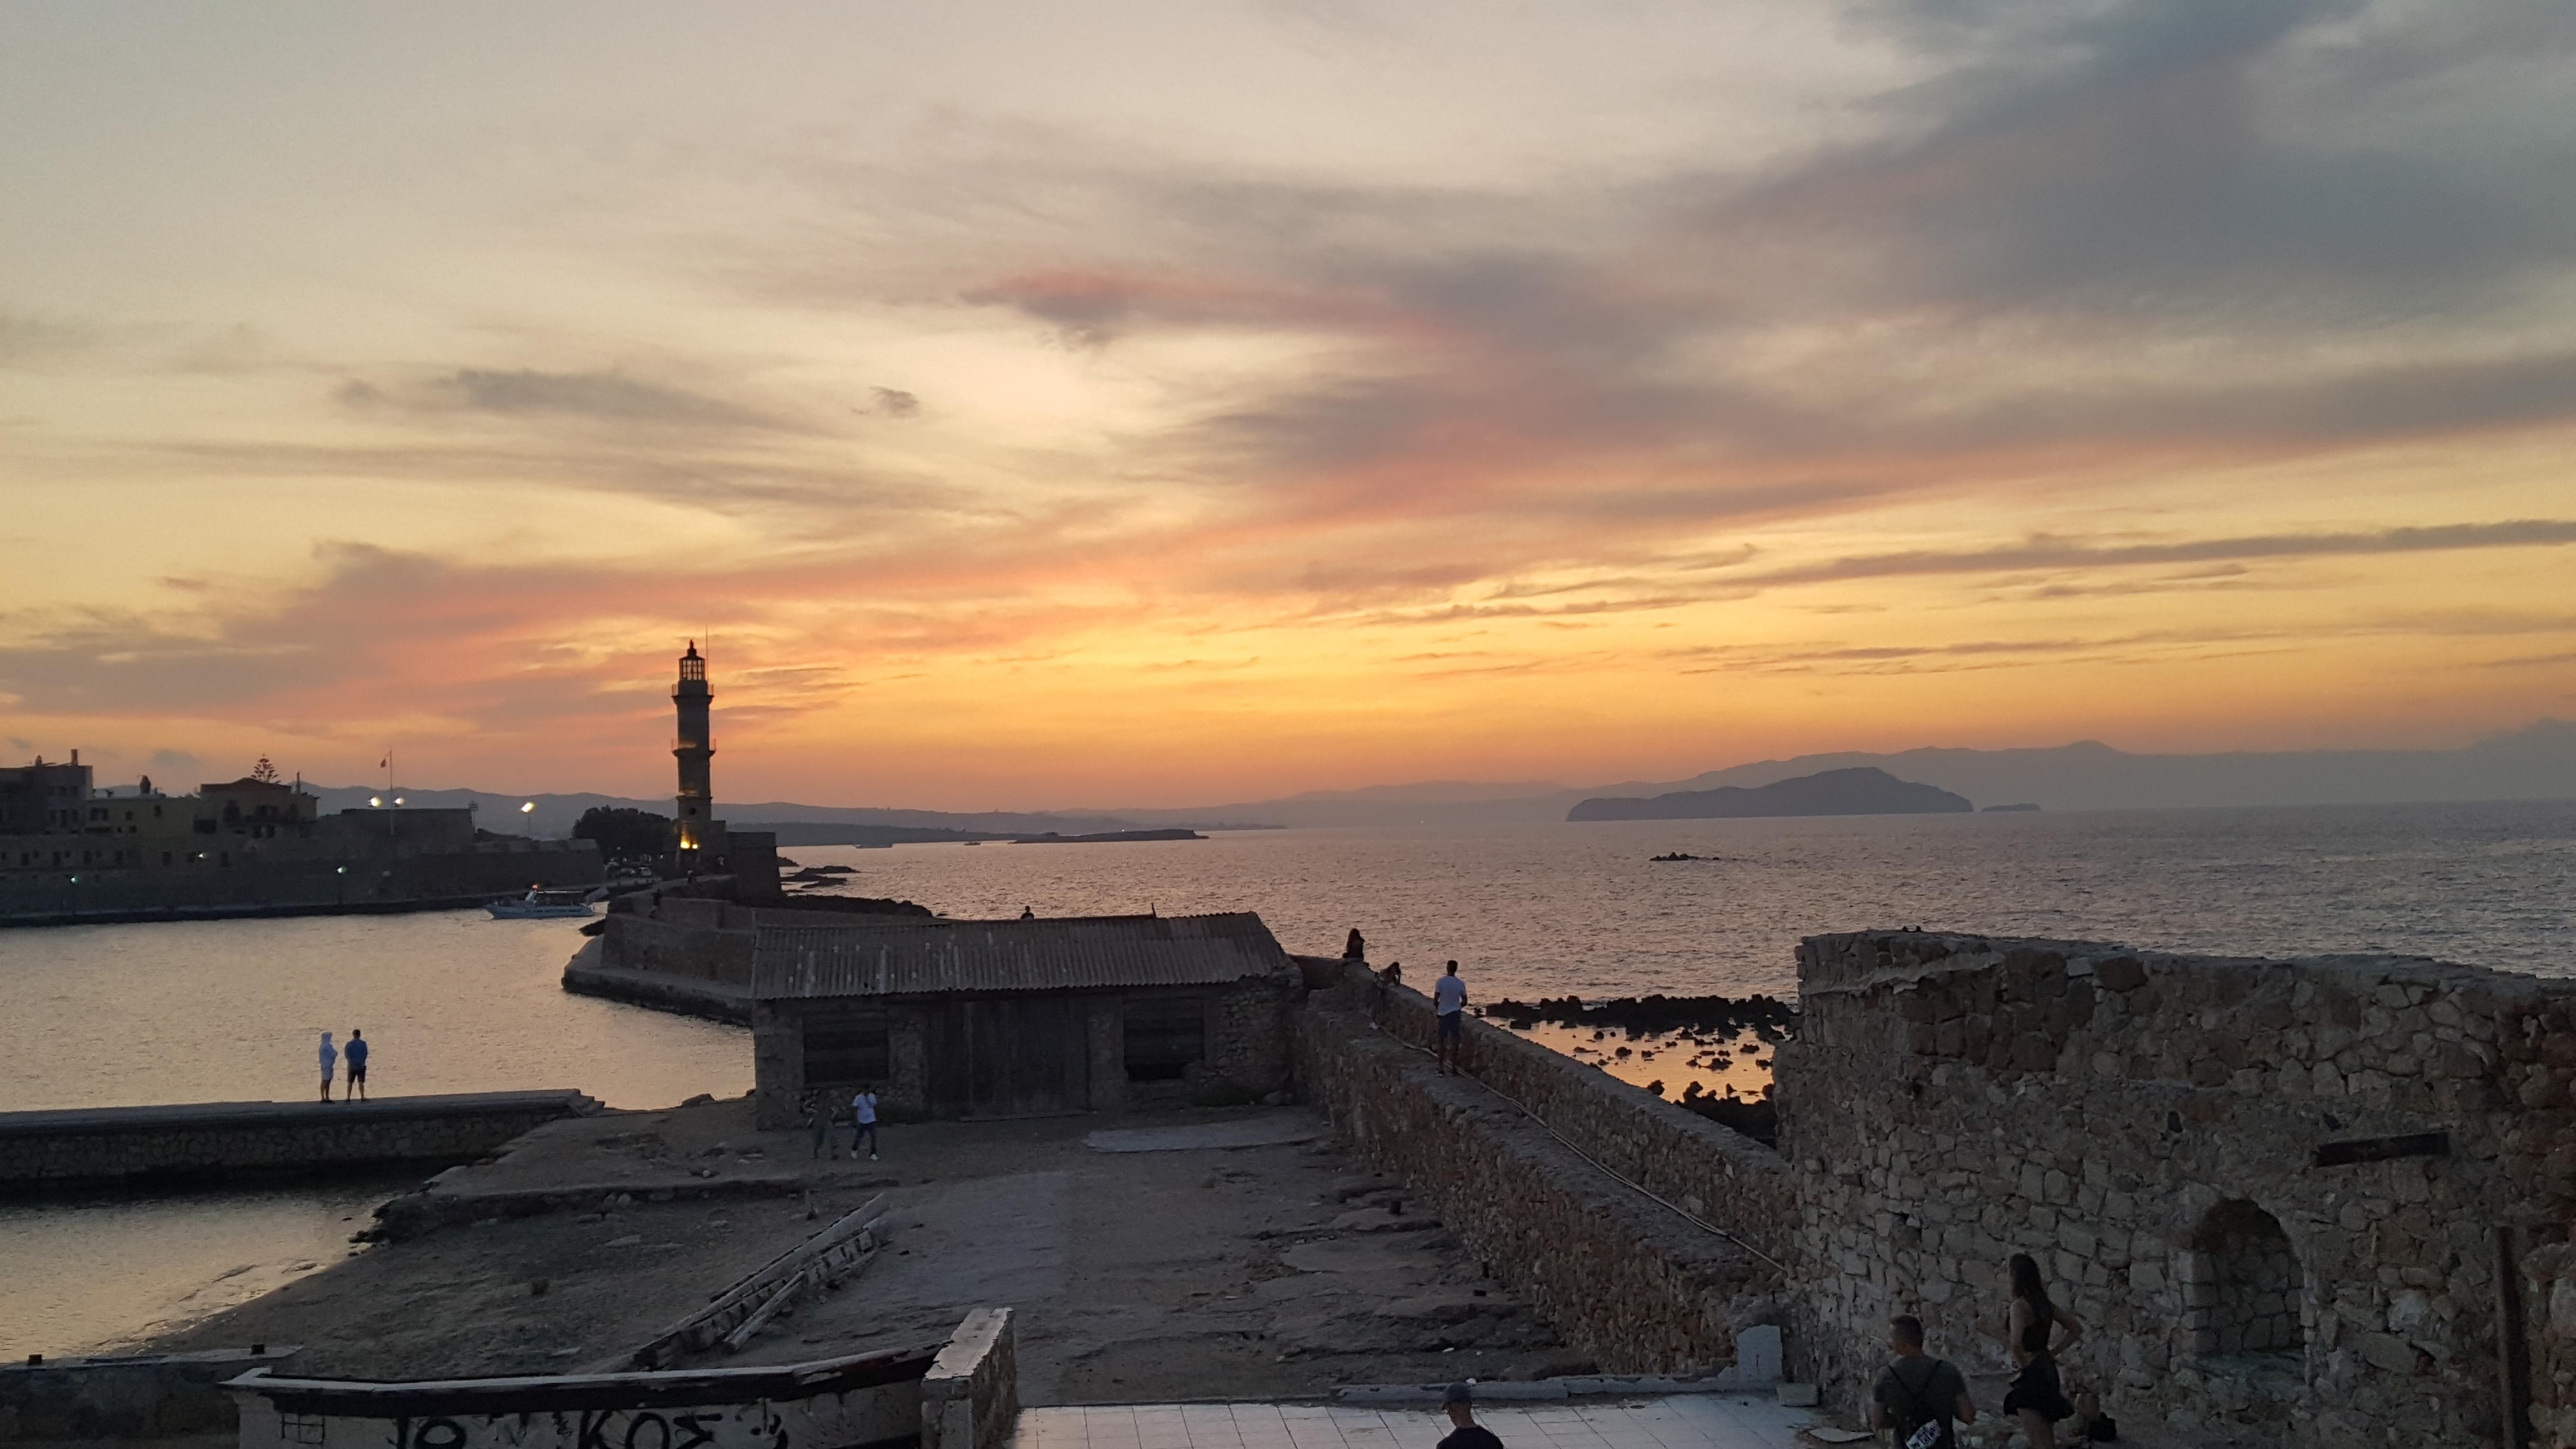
{"x": 701, "y": 843}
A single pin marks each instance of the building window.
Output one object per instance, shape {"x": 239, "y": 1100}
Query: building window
{"x": 845, "y": 1047}
{"x": 1164, "y": 1036}
{"x": 2243, "y": 1288}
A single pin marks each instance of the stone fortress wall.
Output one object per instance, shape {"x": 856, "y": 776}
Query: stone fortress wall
{"x": 2317, "y": 1202}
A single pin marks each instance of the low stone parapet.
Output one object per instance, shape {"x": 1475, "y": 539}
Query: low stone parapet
{"x": 963, "y": 1394}
{"x": 867, "y": 1399}
{"x": 221, "y": 1141}
{"x": 970, "y": 1399}
{"x": 125, "y": 1396}
{"x": 1629, "y": 1280}
{"x": 1713, "y": 1171}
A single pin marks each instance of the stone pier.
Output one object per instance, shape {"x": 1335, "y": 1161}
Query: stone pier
{"x": 223, "y": 1141}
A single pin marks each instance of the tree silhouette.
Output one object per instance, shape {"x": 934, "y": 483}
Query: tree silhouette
{"x": 625, "y": 834}
{"x": 264, "y": 772}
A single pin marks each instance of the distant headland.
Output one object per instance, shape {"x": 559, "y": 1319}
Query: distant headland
{"x": 1860, "y": 791}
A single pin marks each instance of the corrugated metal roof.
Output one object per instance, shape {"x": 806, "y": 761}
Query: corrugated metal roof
{"x": 909, "y": 958}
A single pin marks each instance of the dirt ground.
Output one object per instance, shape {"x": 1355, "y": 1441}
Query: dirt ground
{"x": 1207, "y": 1271}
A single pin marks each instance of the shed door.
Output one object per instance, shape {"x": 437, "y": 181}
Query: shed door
{"x": 1010, "y": 1057}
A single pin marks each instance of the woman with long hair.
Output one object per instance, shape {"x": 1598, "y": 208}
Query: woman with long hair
{"x": 2040, "y": 1331}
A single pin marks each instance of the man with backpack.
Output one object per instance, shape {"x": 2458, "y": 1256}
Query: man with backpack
{"x": 1920, "y": 1395}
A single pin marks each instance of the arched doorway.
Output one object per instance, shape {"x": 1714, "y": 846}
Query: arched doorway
{"x": 2249, "y": 1290}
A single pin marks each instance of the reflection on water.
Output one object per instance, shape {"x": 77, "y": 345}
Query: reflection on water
{"x": 101, "y": 1272}
{"x": 230, "y": 1011}
{"x": 1720, "y": 1064}
{"x": 219, "y": 1011}
{"x": 1542, "y": 910}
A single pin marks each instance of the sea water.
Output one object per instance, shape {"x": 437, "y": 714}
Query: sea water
{"x": 218, "y": 1011}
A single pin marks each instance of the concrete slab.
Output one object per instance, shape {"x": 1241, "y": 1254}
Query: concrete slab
{"x": 1272, "y": 1129}
{"x": 1700, "y": 1421}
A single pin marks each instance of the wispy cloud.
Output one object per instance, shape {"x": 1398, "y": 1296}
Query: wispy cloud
{"x": 608, "y": 397}
{"x": 2071, "y": 554}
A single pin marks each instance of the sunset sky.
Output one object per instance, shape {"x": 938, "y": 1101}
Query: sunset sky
{"x": 1054, "y": 405}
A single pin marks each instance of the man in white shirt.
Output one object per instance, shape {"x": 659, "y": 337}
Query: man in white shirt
{"x": 1449, "y": 997}
{"x": 863, "y": 1121}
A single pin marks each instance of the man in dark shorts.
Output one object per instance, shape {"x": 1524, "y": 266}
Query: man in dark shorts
{"x": 357, "y": 1058}
{"x": 1449, "y": 999}
{"x": 1919, "y": 1396}
{"x": 1460, "y": 1402}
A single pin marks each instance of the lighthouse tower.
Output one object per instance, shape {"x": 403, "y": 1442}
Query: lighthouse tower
{"x": 702, "y": 836}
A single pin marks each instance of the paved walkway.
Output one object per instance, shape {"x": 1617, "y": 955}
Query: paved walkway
{"x": 1682, "y": 1421}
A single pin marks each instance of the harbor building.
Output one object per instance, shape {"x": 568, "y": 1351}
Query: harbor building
{"x": 71, "y": 851}
{"x": 1023, "y": 1017}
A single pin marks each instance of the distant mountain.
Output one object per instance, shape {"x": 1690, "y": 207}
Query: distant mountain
{"x": 1859, "y": 791}
{"x": 2537, "y": 762}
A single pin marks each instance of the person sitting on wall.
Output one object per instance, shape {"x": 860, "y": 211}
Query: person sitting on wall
{"x": 1355, "y": 949}
{"x": 1919, "y": 1396}
{"x": 1381, "y": 986}
{"x": 1449, "y": 999}
{"x": 2040, "y": 1332}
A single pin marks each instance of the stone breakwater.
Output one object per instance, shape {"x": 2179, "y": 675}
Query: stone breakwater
{"x": 1624, "y": 1279}
{"x": 218, "y": 1141}
{"x": 2318, "y": 1202}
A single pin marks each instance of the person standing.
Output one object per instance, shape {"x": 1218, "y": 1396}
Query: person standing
{"x": 330, "y": 1063}
{"x": 1466, "y": 1433}
{"x": 863, "y": 1121}
{"x": 818, "y": 1121}
{"x": 1919, "y": 1396}
{"x": 357, "y": 1063}
{"x": 1449, "y": 999}
{"x": 2040, "y": 1332}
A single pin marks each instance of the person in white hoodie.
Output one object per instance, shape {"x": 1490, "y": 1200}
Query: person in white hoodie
{"x": 330, "y": 1059}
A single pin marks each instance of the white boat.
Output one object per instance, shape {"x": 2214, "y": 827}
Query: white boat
{"x": 541, "y": 905}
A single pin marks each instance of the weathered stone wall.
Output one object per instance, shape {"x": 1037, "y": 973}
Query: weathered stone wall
{"x": 129, "y": 1396}
{"x": 288, "y": 878}
{"x": 1716, "y": 1172}
{"x": 1248, "y": 1053}
{"x": 2547, "y": 1305}
{"x": 673, "y": 942}
{"x": 696, "y": 929}
{"x": 1249, "y": 1050}
{"x": 2150, "y": 1128}
{"x": 225, "y": 1139}
{"x": 1624, "y": 1279}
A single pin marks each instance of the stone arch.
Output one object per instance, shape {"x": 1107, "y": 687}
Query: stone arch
{"x": 2244, "y": 1287}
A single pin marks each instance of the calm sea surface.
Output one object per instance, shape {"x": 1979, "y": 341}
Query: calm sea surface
{"x": 454, "y": 1002}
